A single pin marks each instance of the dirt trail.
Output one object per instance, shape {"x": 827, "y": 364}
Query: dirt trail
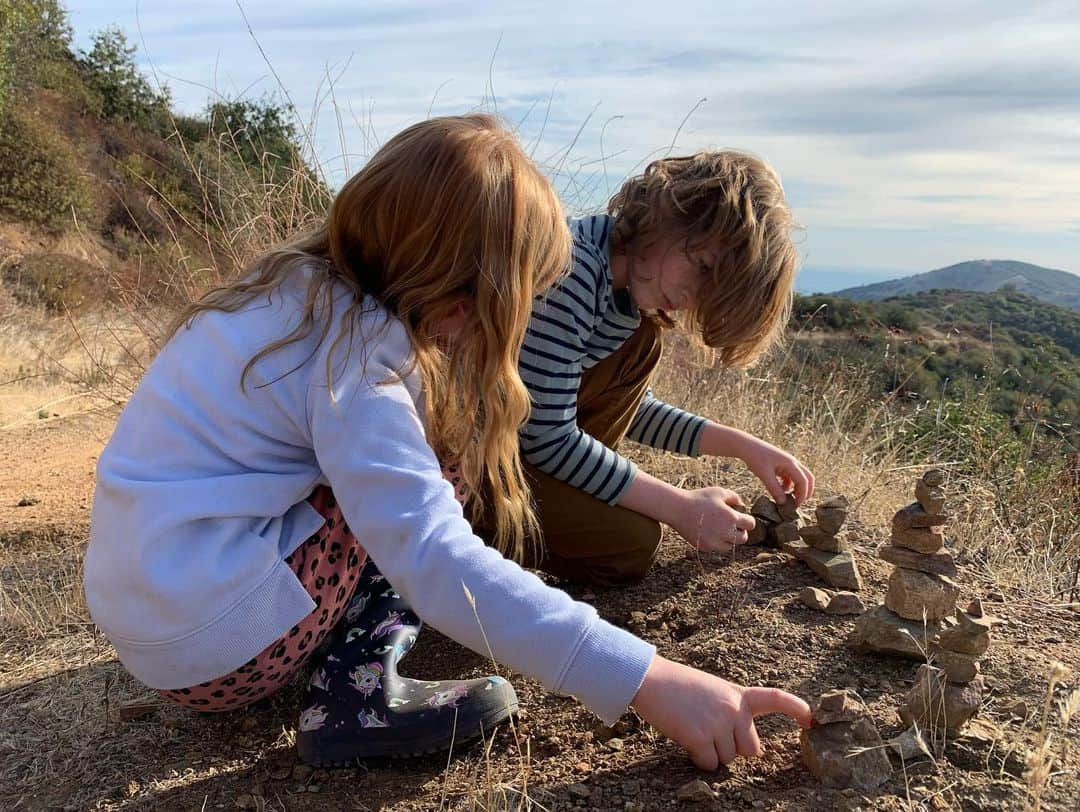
{"x": 50, "y": 463}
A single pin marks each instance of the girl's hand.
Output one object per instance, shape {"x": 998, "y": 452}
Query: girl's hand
{"x": 708, "y": 520}
{"x": 778, "y": 471}
{"x": 713, "y": 719}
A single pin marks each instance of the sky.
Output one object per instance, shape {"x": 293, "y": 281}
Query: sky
{"x": 909, "y": 135}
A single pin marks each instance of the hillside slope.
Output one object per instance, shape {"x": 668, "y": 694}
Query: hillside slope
{"x": 1049, "y": 285}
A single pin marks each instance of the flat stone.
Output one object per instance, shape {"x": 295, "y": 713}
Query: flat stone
{"x": 932, "y": 499}
{"x": 935, "y": 705}
{"x": 846, "y": 755}
{"x": 938, "y": 563}
{"x": 958, "y": 668}
{"x": 934, "y": 478}
{"x": 815, "y": 598}
{"x": 786, "y": 531}
{"x": 880, "y": 631}
{"x": 579, "y": 790}
{"x": 920, "y": 539}
{"x": 694, "y": 791}
{"x": 841, "y": 705}
{"x": 817, "y": 538}
{"x": 835, "y": 569}
{"x": 913, "y": 515}
{"x": 913, "y": 594}
{"x": 831, "y": 514}
{"x": 968, "y": 636}
{"x": 758, "y": 534}
{"x": 910, "y": 745}
{"x": 787, "y": 509}
{"x": 845, "y": 603}
{"x": 836, "y": 501}
{"x": 765, "y": 508}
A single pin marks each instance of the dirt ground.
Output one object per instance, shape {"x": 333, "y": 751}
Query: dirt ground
{"x": 67, "y": 740}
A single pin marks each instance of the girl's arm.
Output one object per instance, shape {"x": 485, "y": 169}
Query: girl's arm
{"x": 371, "y": 445}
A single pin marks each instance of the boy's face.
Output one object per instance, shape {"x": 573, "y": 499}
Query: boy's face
{"x": 666, "y": 276}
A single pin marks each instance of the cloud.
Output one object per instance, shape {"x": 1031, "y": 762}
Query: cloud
{"x": 916, "y": 115}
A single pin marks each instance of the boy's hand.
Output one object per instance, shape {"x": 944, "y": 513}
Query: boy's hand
{"x": 713, "y": 719}
{"x": 707, "y": 518}
{"x": 778, "y": 471}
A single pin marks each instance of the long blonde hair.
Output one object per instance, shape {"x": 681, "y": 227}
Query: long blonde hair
{"x": 449, "y": 210}
{"x": 732, "y": 203}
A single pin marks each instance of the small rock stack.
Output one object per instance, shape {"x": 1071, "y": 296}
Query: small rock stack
{"x": 947, "y": 694}
{"x": 820, "y": 547}
{"x": 843, "y": 748}
{"x": 776, "y": 523}
{"x": 921, "y": 591}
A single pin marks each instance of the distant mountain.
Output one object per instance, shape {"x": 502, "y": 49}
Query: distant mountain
{"x": 1059, "y": 287}
{"x": 826, "y": 278}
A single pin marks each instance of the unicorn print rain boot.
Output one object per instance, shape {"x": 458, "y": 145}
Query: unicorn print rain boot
{"x": 357, "y": 706}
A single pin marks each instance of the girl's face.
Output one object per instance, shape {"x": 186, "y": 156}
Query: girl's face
{"x": 665, "y": 276}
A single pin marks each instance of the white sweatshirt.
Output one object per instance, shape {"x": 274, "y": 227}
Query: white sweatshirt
{"x": 201, "y": 494}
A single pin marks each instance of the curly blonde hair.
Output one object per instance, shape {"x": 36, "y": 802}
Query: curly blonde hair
{"x": 730, "y": 204}
{"x": 449, "y": 210}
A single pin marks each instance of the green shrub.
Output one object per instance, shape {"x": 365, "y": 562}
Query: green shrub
{"x": 109, "y": 68}
{"x": 39, "y": 178}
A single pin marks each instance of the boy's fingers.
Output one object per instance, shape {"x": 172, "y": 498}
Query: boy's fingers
{"x": 705, "y": 758}
{"x": 746, "y": 738}
{"x": 760, "y": 701}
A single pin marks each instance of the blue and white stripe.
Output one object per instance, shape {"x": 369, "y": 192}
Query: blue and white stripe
{"x": 574, "y": 325}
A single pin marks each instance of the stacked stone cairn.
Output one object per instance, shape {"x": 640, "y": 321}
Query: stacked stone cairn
{"x": 843, "y": 748}
{"x": 949, "y": 692}
{"x": 921, "y": 591}
{"x": 818, "y": 545}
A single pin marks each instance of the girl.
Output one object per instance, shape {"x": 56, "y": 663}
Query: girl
{"x": 274, "y": 485}
{"x": 707, "y": 235}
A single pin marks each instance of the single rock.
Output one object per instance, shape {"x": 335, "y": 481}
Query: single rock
{"x": 302, "y": 772}
{"x": 28, "y": 500}
{"x": 914, "y": 516}
{"x": 758, "y": 534}
{"x": 880, "y": 631}
{"x": 787, "y": 509}
{"x": 845, "y": 603}
{"x": 614, "y": 744}
{"x": 579, "y": 790}
{"x": 910, "y": 745}
{"x": 846, "y": 755}
{"x": 932, "y": 499}
{"x": 975, "y": 608}
{"x": 815, "y": 598}
{"x": 835, "y": 569}
{"x": 817, "y": 538}
{"x": 939, "y": 563}
{"x": 968, "y": 636}
{"x": 920, "y": 539}
{"x": 841, "y": 705}
{"x": 913, "y": 594}
{"x": 786, "y": 531}
{"x": 959, "y": 668}
{"x": 831, "y": 514}
{"x": 765, "y": 508}
{"x": 935, "y": 705}
{"x": 934, "y": 478}
{"x": 694, "y": 791}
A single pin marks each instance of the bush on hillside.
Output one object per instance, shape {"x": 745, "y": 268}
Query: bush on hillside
{"x": 58, "y": 282}
{"x": 40, "y": 180}
{"x": 35, "y": 47}
{"x": 125, "y": 93}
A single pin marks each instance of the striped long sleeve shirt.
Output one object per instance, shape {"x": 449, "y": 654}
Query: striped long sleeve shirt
{"x": 574, "y": 325}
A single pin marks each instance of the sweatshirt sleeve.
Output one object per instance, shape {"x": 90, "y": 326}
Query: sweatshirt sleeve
{"x": 660, "y": 425}
{"x": 562, "y": 321}
{"x": 370, "y": 444}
